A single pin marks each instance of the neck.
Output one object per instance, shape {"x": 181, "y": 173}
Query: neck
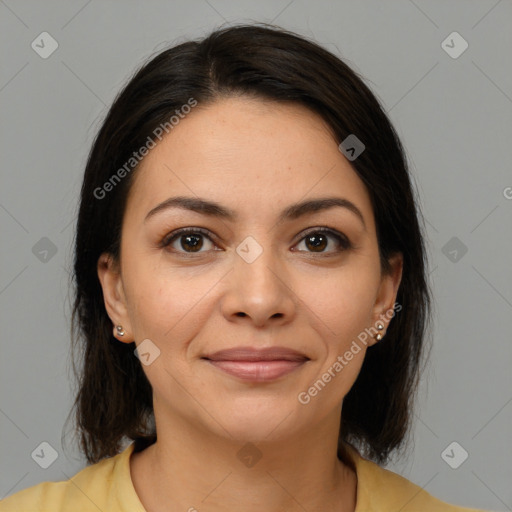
{"x": 194, "y": 470}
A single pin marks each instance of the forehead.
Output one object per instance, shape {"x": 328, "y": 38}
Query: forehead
{"x": 251, "y": 155}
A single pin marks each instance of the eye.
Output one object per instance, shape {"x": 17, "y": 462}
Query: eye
{"x": 317, "y": 239}
{"x": 190, "y": 240}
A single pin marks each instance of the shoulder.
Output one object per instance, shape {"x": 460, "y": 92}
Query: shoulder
{"x": 382, "y": 490}
{"x": 100, "y": 486}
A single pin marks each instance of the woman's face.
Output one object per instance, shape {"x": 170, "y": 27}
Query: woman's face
{"x": 265, "y": 277}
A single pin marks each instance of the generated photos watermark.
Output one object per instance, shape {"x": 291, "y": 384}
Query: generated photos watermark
{"x": 304, "y": 397}
{"x": 137, "y": 156}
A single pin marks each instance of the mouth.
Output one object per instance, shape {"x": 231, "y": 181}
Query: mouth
{"x": 257, "y": 365}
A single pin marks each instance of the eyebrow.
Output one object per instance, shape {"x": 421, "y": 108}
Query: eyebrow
{"x": 294, "y": 211}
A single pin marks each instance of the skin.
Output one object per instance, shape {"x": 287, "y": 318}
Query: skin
{"x": 256, "y": 158}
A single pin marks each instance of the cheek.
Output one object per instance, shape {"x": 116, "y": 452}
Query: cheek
{"x": 166, "y": 304}
{"x": 342, "y": 302}
{"x": 341, "y": 311}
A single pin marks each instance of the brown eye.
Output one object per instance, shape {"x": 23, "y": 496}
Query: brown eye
{"x": 317, "y": 240}
{"x": 187, "y": 240}
{"x": 191, "y": 241}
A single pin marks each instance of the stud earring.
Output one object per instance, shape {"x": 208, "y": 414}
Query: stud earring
{"x": 379, "y": 335}
{"x": 119, "y": 330}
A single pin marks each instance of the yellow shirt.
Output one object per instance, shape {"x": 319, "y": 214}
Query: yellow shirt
{"x": 107, "y": 486}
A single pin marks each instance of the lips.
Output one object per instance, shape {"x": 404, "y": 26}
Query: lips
{"x": 257, "y": 354}
{"x": 257, "y": 365}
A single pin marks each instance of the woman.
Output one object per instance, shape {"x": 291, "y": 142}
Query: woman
{"x": 251, "y": 290}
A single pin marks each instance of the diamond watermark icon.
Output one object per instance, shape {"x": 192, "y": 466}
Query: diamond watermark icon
{"x": 454, "y": 249}
{"x": 44, "y": 455}
{"x": 454, "y": 45}
{"x": 44, "y": 250}
{"x": 249, "y": 249}
{"x": 249, "y": 455}
{"x": 454, "y": 455}
{"x": 351, "y": 147}
{"x": 44, "y": 45}
{"x": 147, "y": 352}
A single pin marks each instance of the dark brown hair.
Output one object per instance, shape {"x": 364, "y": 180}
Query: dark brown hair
{"x": 114, "y": 398}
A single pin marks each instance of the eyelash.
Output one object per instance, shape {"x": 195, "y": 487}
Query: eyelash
{"x": 343, "y": 241}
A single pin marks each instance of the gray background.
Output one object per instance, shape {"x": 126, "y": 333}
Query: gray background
{"x": 454, "y": 117}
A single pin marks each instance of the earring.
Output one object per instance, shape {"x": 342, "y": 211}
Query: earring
{"x": 379, "y": 335}
{"x": 119, "y": 330}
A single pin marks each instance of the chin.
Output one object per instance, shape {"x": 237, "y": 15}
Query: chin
{"x": 257, "y": 422}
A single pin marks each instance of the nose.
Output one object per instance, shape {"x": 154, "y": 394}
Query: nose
{"x": 259, "y": 291}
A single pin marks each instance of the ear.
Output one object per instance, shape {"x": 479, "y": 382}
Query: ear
{"x": 386, "y": 295}
{"x": 113, "y": 294}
